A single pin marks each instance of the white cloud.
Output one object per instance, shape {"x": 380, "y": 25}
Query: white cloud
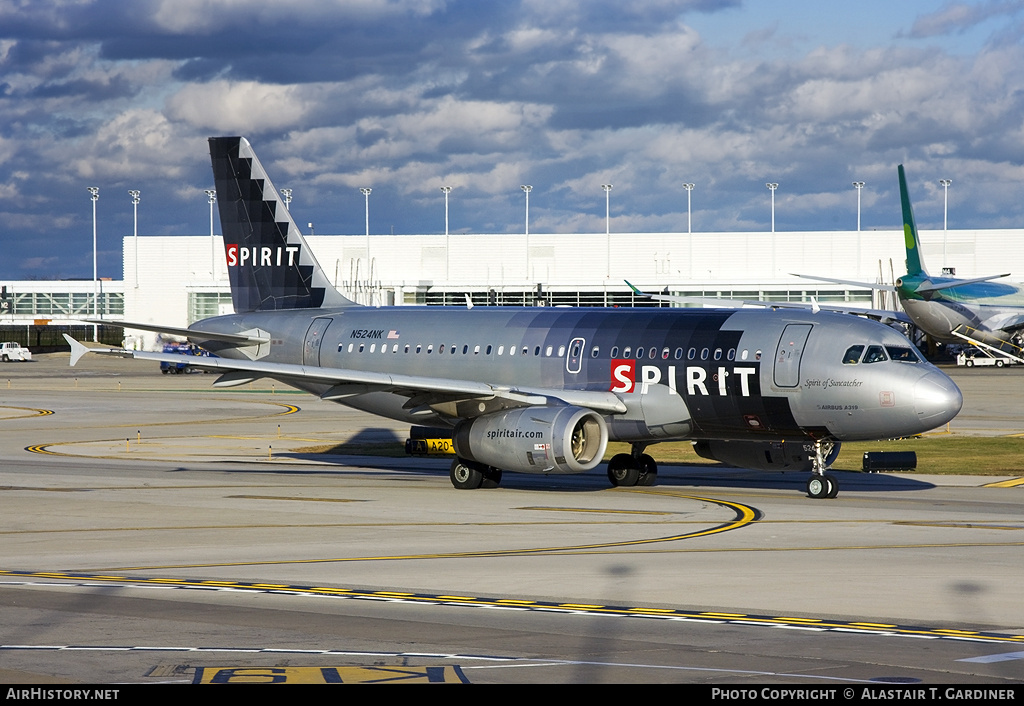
{"x": 239, "y": 107}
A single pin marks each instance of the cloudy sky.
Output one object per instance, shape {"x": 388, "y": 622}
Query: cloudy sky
{"x": 406, "y": 95}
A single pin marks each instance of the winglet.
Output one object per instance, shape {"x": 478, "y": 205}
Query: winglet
{"x": 915, "y": 264}
{"x": 635, "y": 290}
{"x": 77, "y": 349}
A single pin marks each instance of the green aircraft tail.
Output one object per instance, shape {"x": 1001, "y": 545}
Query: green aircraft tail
{"x": 915, "y": 263}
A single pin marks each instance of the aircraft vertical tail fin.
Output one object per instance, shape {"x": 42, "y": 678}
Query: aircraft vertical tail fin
{"x": 270, "y": 266}
{"x": 915, "y": 262}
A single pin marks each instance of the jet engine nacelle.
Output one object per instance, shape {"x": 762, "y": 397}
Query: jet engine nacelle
{"x": 534, "y": 439}
{"x": 763, "y": 455}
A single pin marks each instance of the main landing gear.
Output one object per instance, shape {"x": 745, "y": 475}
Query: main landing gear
{"x": 636, "y": 468}
{"x": 467, "y": 475}
{"x": 822, "y": 484}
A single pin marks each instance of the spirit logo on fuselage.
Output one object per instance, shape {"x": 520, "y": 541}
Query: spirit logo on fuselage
{"x": 261, "y": 256}
{"x": 697, "y": 380}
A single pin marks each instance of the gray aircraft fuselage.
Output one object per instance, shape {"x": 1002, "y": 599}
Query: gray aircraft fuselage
{"x": 681, "y": 373}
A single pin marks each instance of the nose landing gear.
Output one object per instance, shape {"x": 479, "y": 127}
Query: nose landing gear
{"x": 822, "y": 484}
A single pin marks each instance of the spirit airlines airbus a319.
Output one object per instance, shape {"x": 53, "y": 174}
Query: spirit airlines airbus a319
{"x": 543, "y": 390}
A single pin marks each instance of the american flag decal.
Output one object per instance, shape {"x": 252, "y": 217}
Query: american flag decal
{"x": 392, "y": 334}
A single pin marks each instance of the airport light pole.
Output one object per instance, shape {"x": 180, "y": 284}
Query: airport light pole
{"x": 689, "y": 222}
{"x": 527, "y": 188}
{"x": 365, "y": 191}
{"x": 94, "y": 194}
{"x": 447, "y": 242}
{"x": 211, "y": 194}
{"x": 945, "y": 213}
{"x": 134, "y": 193}
{"x": 772, "y": 186}
{"x": 607, "y": 229}
{"x": 287, "y": 193}
{"x": 858, "y": 185}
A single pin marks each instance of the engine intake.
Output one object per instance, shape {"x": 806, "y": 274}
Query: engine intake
{"x": 535, "y": 439}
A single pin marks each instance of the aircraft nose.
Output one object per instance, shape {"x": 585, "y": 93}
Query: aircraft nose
{"x": 937, "y": 399}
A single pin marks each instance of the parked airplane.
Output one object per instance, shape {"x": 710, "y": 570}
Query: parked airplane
{"x": 953, "y": 309}
{"x": 543, "y": 390}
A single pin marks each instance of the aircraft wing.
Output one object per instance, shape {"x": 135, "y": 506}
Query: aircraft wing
{"x": 883, "y": 315}
{"x": 1011, "y": 323}
{"x": 850, "y": 282}
{"x": 347, "y": 382}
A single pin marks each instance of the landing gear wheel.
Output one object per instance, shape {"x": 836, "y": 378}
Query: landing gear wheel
{"x": 623, "y": 470}
{"x": 833, "y": 485}
{"x": 464, "y": 476}
{"x": 818, "y": 486}
{"x": 648, "y": 471}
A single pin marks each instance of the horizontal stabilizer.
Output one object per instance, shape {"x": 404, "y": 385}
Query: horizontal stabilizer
{"x": 238, "y": 339}
{"x": 936, "y": 286}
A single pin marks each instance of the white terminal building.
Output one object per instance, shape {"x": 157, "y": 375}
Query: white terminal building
{"x": 177, "y": 280}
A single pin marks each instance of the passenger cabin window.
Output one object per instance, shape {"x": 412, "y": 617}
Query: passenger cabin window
{"x": 875, "y": 354}
{"x": 852, "y": 355}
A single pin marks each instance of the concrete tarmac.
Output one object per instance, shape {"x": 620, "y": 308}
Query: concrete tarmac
{"x": 155, "y": 529}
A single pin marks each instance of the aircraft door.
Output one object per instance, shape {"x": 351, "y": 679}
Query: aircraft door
{"x": 574, "y": 355}
{"x": 314, "y": 337}
{"x": 786, "y": 372}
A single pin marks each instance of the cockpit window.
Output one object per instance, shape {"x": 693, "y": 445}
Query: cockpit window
{"x": 875, "y": 354}
{"x": 903, "y": 354}
{"x": 852, "y": 355}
